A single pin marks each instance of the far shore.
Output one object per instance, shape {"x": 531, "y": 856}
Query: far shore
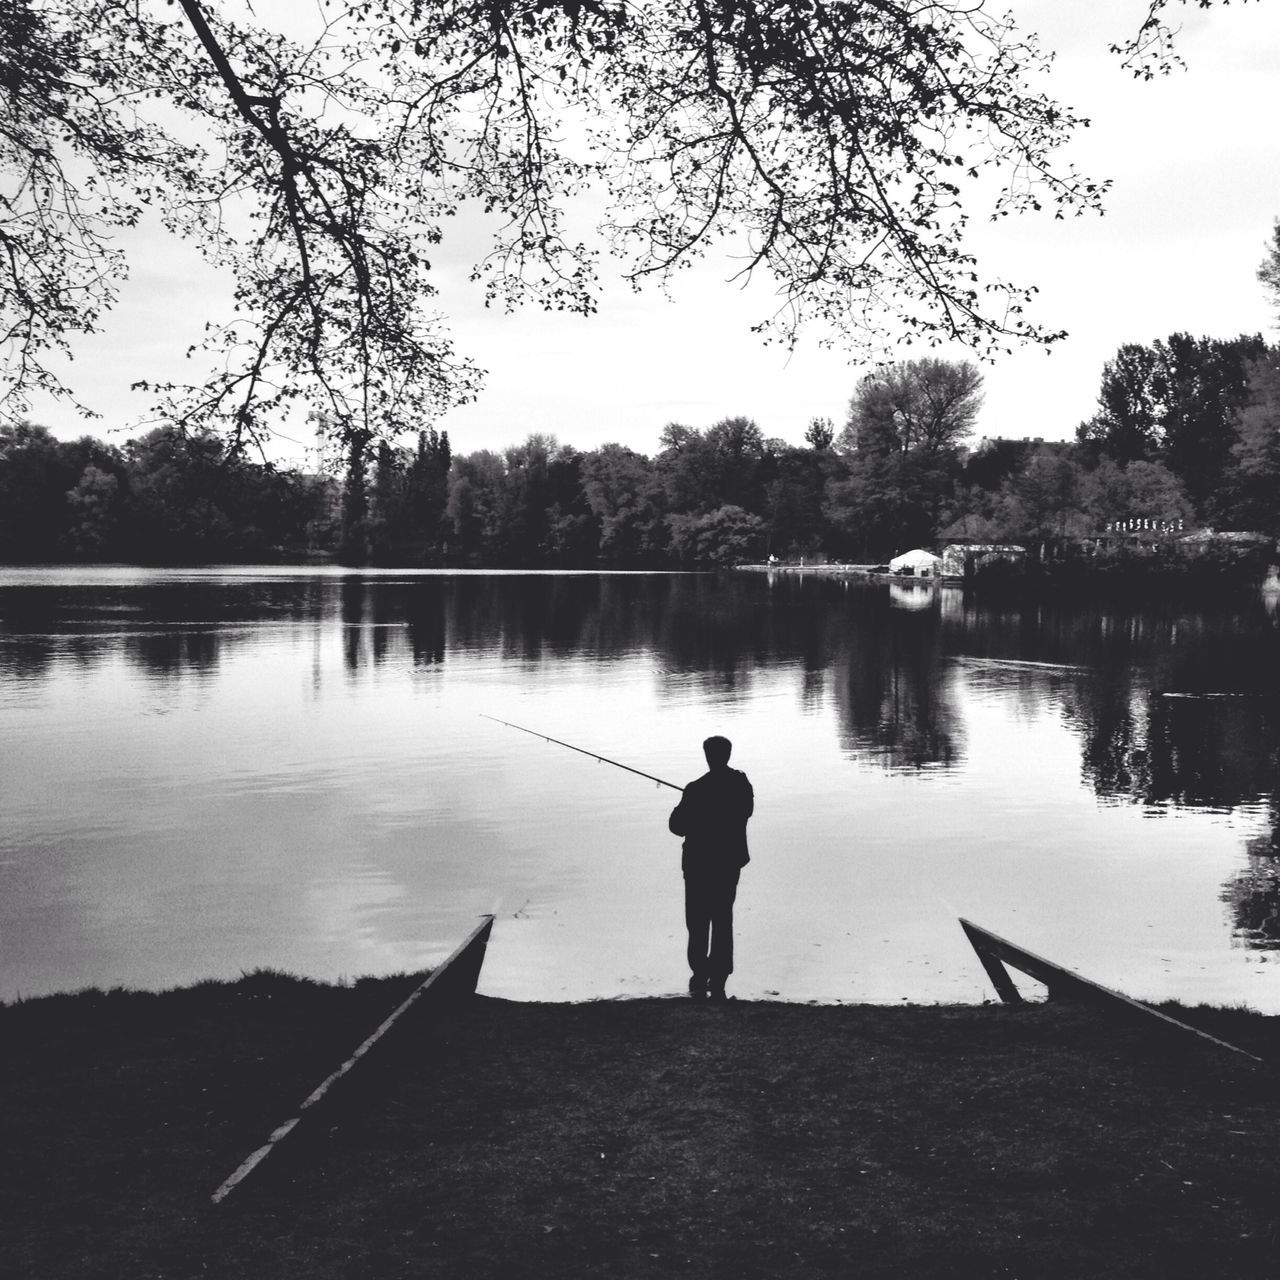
{"x": 631, "y": 1138}
{"x": 822, "y": 567}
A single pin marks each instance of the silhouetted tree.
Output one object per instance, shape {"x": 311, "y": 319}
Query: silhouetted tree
{"x": 884, "y": 503}
{"x": 572, "y": 532}
{"x": 167, "y": 496}
{"x": 720, "y": 538}
{"x": 689, "y": 469}
{"x": 820, "y": 434}
{"x": 995, "y": 461}
{"x": 1269, "y": 271}
{"x": 795, "y": 524}
{"x": 95, "y": 504}
{"x": 528, "y": 482}
{"x": 1175, "y": 402}
{"x": 739, "y": 449}
{"x": 1045, "y": 500}
{"x": 428, "y": 492}
{"x": 927, "y": 404}
{"x": 624, "y": 496}
{"x": 1141, "y": 489}
{"x": 1126, "y": 426}
{"x": 1250, "y": 496}
{"x": 478, "y": 507}
{"x": 35, "y": 477}
{"x": 353, "y": 541}
{"x": 1205, "y": 384}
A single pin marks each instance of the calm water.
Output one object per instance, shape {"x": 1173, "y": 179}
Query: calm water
{"x": 208, "y": 772}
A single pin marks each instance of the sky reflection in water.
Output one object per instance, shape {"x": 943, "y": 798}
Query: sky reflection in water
{"x": 210, "y": 772}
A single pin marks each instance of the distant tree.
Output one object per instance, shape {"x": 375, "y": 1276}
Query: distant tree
{"x": 740, "y": 449}
{"x": 479, "y": 508}
{"x": 1204, "y": 386}
{"x": 179, "y": 485}
{"x": 95, "y": 508}
{"x": 1143, "y": 490}
{"x": 1251, "y": 484}
{"x": 969, "y": 523}
{"x": 1156, "y": 493}
{"x": 794, "y": 520}
{"x": 572, "y": 536}
{"x": 1045, "y": 500}
{"x": 884, "y": 503}
{"x": 701, "y": 471}
{"x": 528, "y": 485}
{"x": 720, "y": 538}
{"x": 319, "y": 501}
{"x": 35, "y": 476}
{"x": 388, "y": 525}
{"x": 688, "y": 469}
{"x": 1127, "y": 424}
{"x": 1174, "y": 402}
{"x": 994, "y": 461}
{"x": 820, "y": 434}
{"x": 624, "y": 495}
{"x": 353, "y": 538}
{"x": 1269, "y": 271}
{"x": 926, "y": 404}
{"x": 167, "y": 496}
{"x": 428, "y": 492}
{"x": 1105, "y": 493}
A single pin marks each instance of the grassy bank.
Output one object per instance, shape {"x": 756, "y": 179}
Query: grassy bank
{"x": 630, "y": 1139}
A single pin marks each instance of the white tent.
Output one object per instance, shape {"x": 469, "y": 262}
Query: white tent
{"x": 921, "y": 564}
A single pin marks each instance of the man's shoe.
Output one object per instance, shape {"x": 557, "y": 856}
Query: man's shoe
{"x": 716, "y": 995}
{"x": 697, "y": 988}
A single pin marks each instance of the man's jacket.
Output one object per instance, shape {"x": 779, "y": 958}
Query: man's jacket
{"x": 712, "y": 817}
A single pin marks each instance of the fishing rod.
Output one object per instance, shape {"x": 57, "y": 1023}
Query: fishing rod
{"x": 595, "y": 755}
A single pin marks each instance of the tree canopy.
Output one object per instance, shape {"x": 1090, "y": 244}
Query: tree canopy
{"x": 840, "y": 146}
{"x": 927, "y": 404}
{"x": 1269, "y": 270}
{"x": 1175, "y": 401}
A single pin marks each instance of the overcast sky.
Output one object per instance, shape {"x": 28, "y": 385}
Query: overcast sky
{"x": 1195, "y": 160}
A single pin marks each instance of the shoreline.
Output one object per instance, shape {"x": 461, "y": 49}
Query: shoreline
{"x": 631, "y": 1138}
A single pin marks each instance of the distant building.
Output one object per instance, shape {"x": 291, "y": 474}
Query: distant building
{"x": 916, "y": 564}
{"x": 1142, "y": 534}
{"x": 1205, "y": 539}
{"x": 961, "y": 561}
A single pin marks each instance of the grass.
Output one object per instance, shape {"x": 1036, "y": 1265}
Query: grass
{"x": 630, "y": 1139}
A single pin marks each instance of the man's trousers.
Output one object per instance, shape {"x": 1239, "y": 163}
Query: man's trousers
{"x": 708, "y": 913}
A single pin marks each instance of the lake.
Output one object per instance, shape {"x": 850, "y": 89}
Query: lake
{"x": 211, "y": 771}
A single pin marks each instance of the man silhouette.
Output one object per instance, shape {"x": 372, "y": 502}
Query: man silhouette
{"x": 712, "y": 818}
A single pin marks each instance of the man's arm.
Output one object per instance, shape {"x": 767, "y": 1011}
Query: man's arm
{"x": 689, "y": 816}
{"x": 676, "y": 823}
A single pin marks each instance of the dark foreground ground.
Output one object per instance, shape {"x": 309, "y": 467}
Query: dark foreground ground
{"x": 647, "y": 1138}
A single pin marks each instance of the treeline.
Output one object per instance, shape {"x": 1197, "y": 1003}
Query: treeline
{"x": 166, "y": 497}
{"x": 1186, "y": 429}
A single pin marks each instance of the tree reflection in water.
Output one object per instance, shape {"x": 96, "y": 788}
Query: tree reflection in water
{"x": 1187, "y": 714}
{"x": 897, "y": 705}
{"x": 1254, "y": 893}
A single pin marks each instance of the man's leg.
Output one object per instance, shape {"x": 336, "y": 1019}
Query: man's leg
{"x": 720, "y": 959}
{"x": 697, "y": 919}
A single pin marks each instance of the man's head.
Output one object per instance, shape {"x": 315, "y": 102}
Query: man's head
{"x": 717, "y": 750}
